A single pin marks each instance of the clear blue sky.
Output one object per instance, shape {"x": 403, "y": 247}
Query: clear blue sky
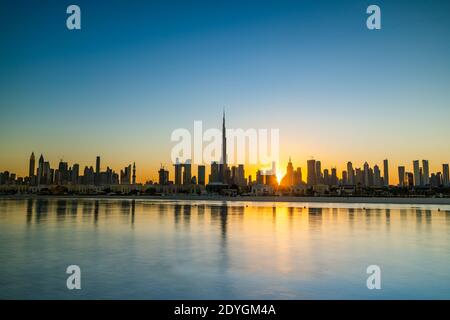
{"x": 139, "y": 69}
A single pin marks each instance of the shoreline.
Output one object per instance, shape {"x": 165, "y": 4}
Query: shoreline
{"x": 293, "y": 199}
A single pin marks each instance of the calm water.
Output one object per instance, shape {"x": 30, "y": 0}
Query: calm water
{"x": 146, "y": 249}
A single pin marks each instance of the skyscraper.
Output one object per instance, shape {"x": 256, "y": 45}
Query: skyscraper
{"x": 350, "y": 173}
{"x": 134, "y": 173}
{"x": 187, "y": 174}
{"x": 366, "y": 174}
{"x": 445, "y": 175}
{"x": 32, "y": 165}
{"x": 386, "y": 172}
{"x": 416, "y": 169}
{"x": 201, "y": 175}
{"x": 318, "y": 172}
{"x": 75, "y": 173}
{"x": 376, "y": 176}
{"x": 426, "y": 172}
{"x": 334, "y": 179}
{"x": 41, "y": 170}
{"x": 311, "y": 178}
{"x": 298, "y": 179}
{"x": 97, "y": 171}
{"x": 163, "y": 176}
{"x": 401, "y": 176}
{"x": 223, "y": 161}
{"x": 178, "y": 171}
{"x": 288, "y": 179}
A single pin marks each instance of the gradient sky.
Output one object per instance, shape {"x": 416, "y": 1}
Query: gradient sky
{"x": 140, "y": 69}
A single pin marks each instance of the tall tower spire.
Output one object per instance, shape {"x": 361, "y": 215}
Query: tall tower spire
{"x": 224, "y": 141}
{"x": 31, "y": 166}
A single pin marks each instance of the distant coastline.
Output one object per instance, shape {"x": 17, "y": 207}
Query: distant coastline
{"x": 305, "y": 199}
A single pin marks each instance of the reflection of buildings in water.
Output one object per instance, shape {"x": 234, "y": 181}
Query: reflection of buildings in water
{"x": 201, "y": 210}
{"x": 162, "y": 209}
{"x": 418, "y": 217}
{"x": 220, "y": 213}
{"x": 315, "y": 217}
{"x": 187, "y": 214}
{"x": 41, "y": 209}
{"x": 177, "y": 214}
{"x": 447, "y": 216}
{"x": 428, "y": 217}
{"x": 403, "y": 215}
{"x": 133, "y": 209}
{"x": 96, "y": 209}
{"x": 73, "y": 208}
{"x": 29, "y": 210}
{"x": 87, "y": 208}
{"x": 351, "y": 218}
{"x": 388, "y": 217}
{"x": 290, "y": 211}
{"x": 125, "y": 206}
{"x": 61, "y": 208}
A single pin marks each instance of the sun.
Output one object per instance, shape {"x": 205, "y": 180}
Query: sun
{"x": 279, "y": 176}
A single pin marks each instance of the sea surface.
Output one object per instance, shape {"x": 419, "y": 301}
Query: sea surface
{"x": 151, "y": 249}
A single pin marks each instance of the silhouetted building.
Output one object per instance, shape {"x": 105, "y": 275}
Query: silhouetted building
{"x": 445, "y": 175}
{"x": 31, "y": 165}
{"x": 416, "y": 168}
{"x": 201, "y": 173}
{"x": 401, "y": 176}
{"x": 425, "y": 172}
{"x": 386, "y": 172}
{"x": 311, "y": 178}
{"x": 163, "y": 176}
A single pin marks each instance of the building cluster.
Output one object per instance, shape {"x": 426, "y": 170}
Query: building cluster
{"x": 225, "y": 179}
{"x": 42, "y": 174}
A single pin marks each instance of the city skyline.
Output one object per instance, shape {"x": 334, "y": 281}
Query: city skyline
{"x": 118, "y": 88}
{"x": 383, "y": 174}
{"x": 313, "y": 173}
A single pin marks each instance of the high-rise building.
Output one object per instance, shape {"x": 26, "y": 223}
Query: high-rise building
{"x": 409, "y": 179}
{"x": 223, "y": 161}
{"x": 401, "y": 176}
{"x": 318, "y": 172}
{"x": 40, "y": 173}
{"x": 178, "y": 172}
{"x": 125, "y": 175}
{"x": 326, "y": 177}
{"x": 311, "y": 178}
{"x": 163, "y": 176}
{"x": 344, "y": 177}
{"x": 288, "y": 179}
{"x": 75, "y": 174}
{"x": 366, "y": 174}
{"x": 31, "y": 166}
{"x": 134, "y": 173}
{"x": 416, "y": 168}
{"x": 298, "y": 179}
{"x": 215, "y": 172}
{"x": 350, "y": 173}
{"x": 334, "y": 178}
{"x": 259, "y": 177}
{"x": 97, "y": 170}
{"x": 376, "y": 176}
{"x": 241, "y": 175}
{"x": 386, "y": 172}
{"x": 187, "y": 174}
{"x": 426, "y": 172}
{"x": 201, "y": 175}
{"x": 445, "y": 175}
